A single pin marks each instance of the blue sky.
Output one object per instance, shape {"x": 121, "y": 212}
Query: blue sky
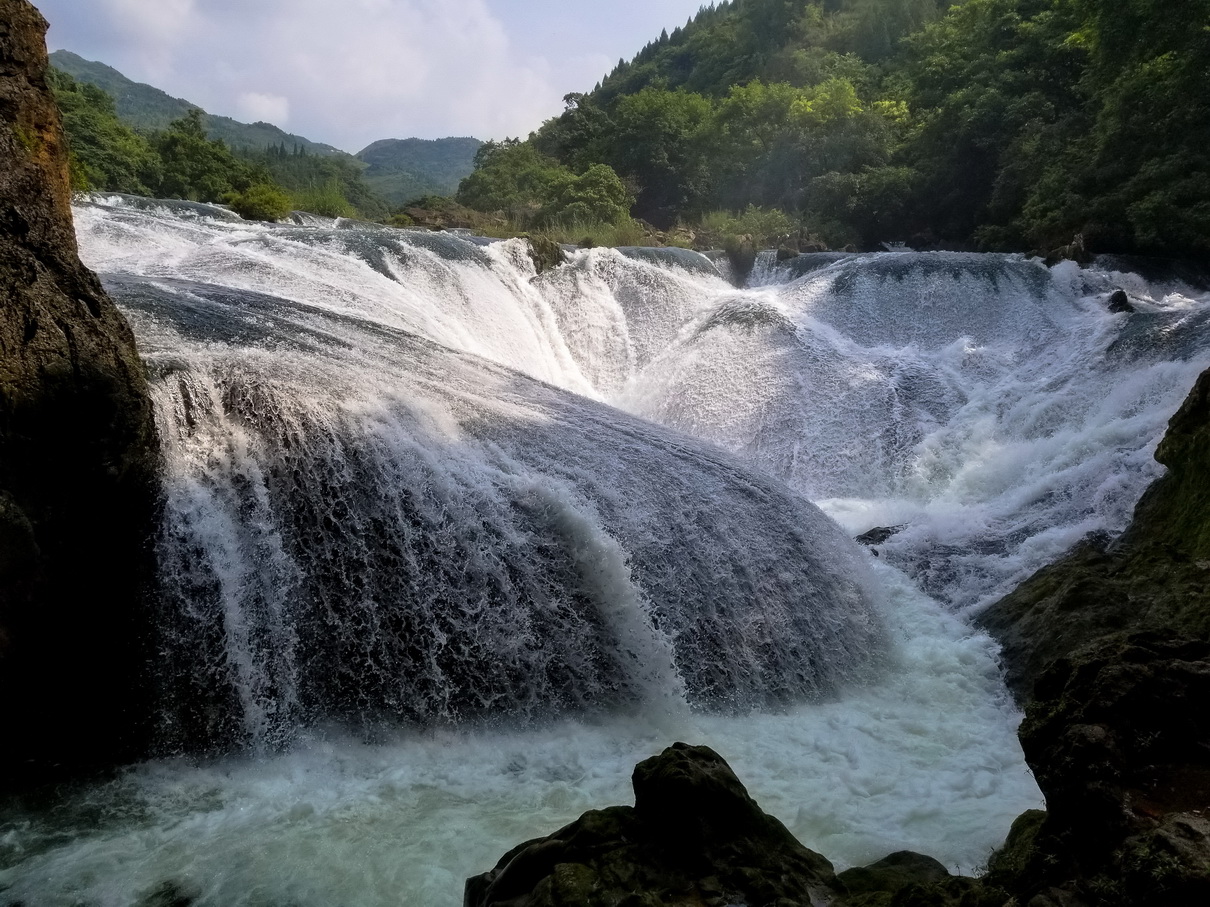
{"x": 348, "y": 72}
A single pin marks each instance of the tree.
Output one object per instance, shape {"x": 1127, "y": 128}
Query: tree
{"x": 510, "y": 176}
{"x": 260, "y": 202}
{"x": 106, "y": 154}
{"x": 597, "y": 195}
{"x": 196, "y": 168}
{"x": 661, "y": 141}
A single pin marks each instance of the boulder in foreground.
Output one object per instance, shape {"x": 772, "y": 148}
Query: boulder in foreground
{"x": 693, "y": 837}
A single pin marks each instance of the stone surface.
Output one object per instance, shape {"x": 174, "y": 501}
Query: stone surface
{"x": 545, "y": 252}
{"x": 1156, "y": 575}
{"x": 1118, "y": 739}
{"x": 77, "y": 451}
{"x": 879, "y": 534}
{"x": 693, "y": 837}
{"x": 1119, "y": 302}
{"x": 904, "y": 879}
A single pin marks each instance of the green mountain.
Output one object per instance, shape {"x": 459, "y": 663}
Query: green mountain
{"x": 387, "y": 173}
{"x": 146, "y": 108}
{"x": 403, "y": 169}
{"x": 1062, "y": 126}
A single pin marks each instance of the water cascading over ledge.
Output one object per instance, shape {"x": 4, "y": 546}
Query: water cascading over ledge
{"x": 365, "y": 527}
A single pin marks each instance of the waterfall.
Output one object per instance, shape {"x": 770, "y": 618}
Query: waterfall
{"x": 449, "y": 545}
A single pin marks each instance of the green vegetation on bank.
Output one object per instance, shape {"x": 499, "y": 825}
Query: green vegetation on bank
{"x": 995, "y": 124}
{"x": 320, "y": 178}
{"x": 989, "y": 124}
{"x": 181, "y": 161}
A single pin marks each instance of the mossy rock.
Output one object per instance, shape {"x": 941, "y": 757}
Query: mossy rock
{"x": 545, "y": 252}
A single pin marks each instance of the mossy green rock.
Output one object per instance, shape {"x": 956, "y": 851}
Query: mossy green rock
{"x": 545, "y": 252}
{"x": 1156, "y": 575}
{"x": 78, "y": 454}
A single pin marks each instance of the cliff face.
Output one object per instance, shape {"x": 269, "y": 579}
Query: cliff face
{"x": 78, "y": 451}
{"x": 1155, "y": 576}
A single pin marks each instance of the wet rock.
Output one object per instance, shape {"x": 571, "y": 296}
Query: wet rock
{"x": 741, "y": 252}
{"x": 545, "y": 253}
{"x": 1120, "y": 746}
{"x": 78, "y": 453}
{"x": 879, "y": 534}
{"x": 693, "y": 837}
{"x": 1119, "y": 302}
{"x": 907, "y": 879}
{"x": 1073, "y": 251}
{"x": 1155, "y": 576}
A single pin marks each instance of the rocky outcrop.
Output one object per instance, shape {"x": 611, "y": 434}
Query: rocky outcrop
{"x": 1118, "y": 740}
{"x": 693, "y": 837}
{"x": 545, "y": 252}
{"x": 1109, "y": 648}
{"x": 1155, "y": 576}
{"x": 1119, "y": 749}
{"x": 77, "y": 450}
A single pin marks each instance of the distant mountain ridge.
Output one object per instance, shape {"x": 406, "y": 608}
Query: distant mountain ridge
{"x": 146, "y": 107}
{"x": 397, "y": 170}
{"x": 403, "y": 169}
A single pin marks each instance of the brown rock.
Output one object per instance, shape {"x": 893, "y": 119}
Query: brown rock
{"x": 77, "y": 449}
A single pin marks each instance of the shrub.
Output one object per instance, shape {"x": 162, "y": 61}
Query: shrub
{"x": 260, "y": 202}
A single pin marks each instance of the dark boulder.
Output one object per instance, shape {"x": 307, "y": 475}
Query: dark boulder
{"x": 545, "y": 252}
{"x": 78, "y": 454}
{"x": 741, "y": 253}
{"x": 693, "y": 837}
{"x": 1119, "y": 741}
{"x": 1119, "y": 302}
{"x": 879, "y": 534}
{"x": 907, "y": 879}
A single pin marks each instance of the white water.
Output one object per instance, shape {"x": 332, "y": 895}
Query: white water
{"x": 992, "y": 406}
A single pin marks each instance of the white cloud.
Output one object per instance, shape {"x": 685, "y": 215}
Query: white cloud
{"x": 270, "y": 108}
{"x": 151, "y": 28}
{"x": 354, "y": 71}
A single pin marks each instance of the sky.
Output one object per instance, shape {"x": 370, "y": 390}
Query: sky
{"x": 349, "y": 72}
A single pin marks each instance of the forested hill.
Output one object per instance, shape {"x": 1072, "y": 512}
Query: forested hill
{"x": 404, "y": 169}
{"x": 802, "y": 43}
{"x": 994, "y": 124}
{"x": 129, "y": 137}
{"x": 147, "y": 108}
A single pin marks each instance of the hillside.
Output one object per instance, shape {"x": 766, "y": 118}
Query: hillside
{"x": 145, "y": 107}
{"x": 1016, "y": 125}
{"x": 403, "y": 169}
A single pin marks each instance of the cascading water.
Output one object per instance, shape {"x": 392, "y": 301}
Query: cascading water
{"x": 995, "y": 409}
{"x": 435, "y": 588}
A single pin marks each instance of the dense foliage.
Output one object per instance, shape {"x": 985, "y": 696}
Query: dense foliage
{"x": 400, "y": 170}
{"x": 983, "y": 123}
{"x": 184, "y": 161}
{"x": 105, "y": 153}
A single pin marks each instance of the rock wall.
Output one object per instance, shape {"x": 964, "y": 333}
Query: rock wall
{"x": 1155, "y": 576}
{"x": 78, "y": 454}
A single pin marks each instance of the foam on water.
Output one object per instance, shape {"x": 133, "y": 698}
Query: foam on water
{"x": 351, "y": 421}
{"x": 994, "y": 408}
{"x": 361, "y": 525}
{"x": 925, "y": 759}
